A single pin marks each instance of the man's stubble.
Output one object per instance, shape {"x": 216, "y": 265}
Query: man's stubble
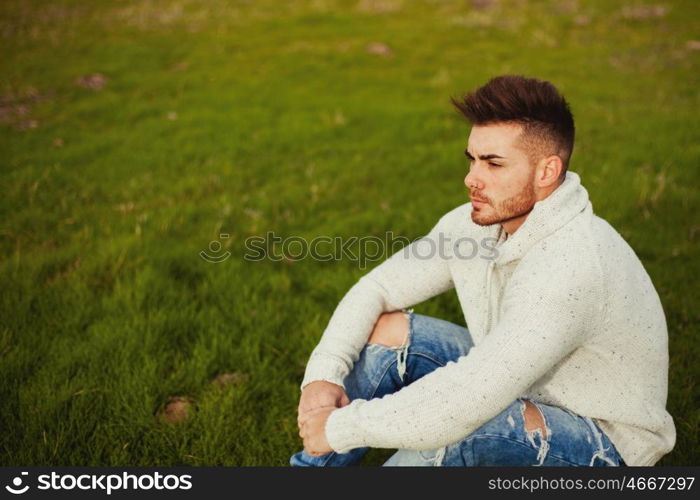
{"x": 511, "y": 208}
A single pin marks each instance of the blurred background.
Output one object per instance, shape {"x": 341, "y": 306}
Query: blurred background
{"x": 135, "y": 135}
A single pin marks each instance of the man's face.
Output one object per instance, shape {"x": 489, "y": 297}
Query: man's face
{"x": 501, "y": 180}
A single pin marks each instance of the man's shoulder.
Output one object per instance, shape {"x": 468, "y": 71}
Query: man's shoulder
{"x": 587, "y": 245}
{"x": 587, "y": 234}
{"x": 615, "y": 252}
{"x": 601, "y": 239}
{"x": 573, "y": 251}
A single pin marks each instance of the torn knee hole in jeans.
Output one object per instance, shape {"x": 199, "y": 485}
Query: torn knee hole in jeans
{"x": 536, "y": 425}
{"x": 402, "y": 350}
{"x": 387, "y": 341}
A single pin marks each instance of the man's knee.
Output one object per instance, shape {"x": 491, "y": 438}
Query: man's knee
{"x": 534, "y": 419}
{"x": 391, "y": 329}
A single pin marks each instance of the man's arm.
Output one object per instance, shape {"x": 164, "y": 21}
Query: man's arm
{"x": 410, "y": 276}
{"x": 542, "y": 324}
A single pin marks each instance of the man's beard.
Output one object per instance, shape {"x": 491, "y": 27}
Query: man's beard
{"x": 508, "y": 209}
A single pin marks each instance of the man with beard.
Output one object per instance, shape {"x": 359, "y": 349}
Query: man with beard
{"x": 565, "y": 358}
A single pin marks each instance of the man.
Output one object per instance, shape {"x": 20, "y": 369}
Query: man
{"x": 565, "y": 359}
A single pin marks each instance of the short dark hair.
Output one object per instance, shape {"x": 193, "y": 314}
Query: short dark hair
{"x": 548, "y": 125}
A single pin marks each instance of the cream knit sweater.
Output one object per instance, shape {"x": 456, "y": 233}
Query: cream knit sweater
{"x": 564, "y": 314}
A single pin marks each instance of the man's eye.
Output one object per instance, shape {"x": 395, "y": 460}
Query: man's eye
{"x": 495, "y": 164}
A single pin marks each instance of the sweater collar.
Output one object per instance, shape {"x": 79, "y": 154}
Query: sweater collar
{"x": 546, "y": 217}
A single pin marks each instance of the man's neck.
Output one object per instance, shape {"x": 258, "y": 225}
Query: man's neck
{"x": 512, "y": 225}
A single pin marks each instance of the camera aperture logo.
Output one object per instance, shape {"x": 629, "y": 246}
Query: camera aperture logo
{"x": 215, "y": 247}
{"x": 107, "y": 483}
{"x": 16, "y": 488}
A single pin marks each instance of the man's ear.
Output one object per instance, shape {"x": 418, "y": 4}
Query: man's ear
{"x": 549, "y": 170}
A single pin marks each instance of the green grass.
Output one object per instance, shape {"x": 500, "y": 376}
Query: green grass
{"x": 284, "y": 122}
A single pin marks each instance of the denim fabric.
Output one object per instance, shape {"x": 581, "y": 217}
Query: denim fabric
{"x": 571, "y": 440}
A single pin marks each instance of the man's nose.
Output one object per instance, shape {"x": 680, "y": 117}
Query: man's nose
{"x": 471, "y": 180}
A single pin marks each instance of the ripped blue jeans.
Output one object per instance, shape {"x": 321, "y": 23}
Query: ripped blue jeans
{"x": 525, "y": 433}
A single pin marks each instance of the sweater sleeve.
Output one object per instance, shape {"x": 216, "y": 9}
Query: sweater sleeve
{"x": 545, "y": 311}
{"x": 415, "y": 273}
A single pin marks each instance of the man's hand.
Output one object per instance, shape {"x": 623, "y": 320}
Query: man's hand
{"x": 318, "y": 400}
{"x": 312, "y": 431}
{"x": 321, "y": 394}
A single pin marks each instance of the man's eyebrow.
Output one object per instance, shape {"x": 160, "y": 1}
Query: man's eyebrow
{"x": 490, "y": 156}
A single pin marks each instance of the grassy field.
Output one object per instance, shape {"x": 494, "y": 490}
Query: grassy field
{"x": 305, "y": 118}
